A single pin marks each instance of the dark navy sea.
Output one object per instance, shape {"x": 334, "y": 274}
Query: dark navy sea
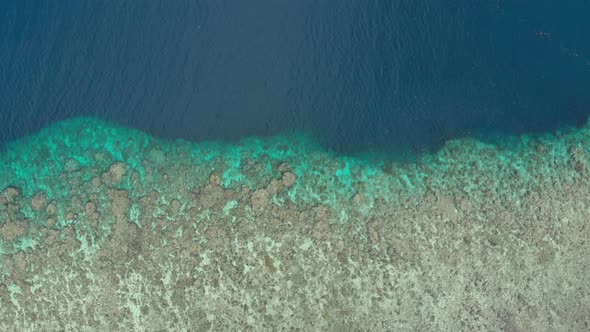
{"x": 393, "y": 75}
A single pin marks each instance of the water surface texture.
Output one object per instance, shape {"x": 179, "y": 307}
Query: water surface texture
{"x": 393, "y": 75}
{"x": 294, "y": 166}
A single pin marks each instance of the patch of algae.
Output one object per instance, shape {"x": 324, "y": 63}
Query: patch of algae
{"x": 107, "y": 228}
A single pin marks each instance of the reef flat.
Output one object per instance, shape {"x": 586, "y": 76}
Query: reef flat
{"x": 107, "y": 228}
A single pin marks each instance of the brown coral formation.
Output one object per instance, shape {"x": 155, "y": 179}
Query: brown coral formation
{"x": 9, "y": 195}
{"x": 11, "y": 230}
{"x": 114, "y": 174}
{"x": 39, "y": 202}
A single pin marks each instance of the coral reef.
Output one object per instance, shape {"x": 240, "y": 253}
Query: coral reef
{"x": 106, "y": 228}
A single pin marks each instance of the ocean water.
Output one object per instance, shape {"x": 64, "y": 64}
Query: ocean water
{"x": 294, "y": 165}
{"x": 386, "y": 75}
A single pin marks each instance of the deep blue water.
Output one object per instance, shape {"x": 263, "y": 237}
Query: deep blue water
{"x": 391, "y": 75}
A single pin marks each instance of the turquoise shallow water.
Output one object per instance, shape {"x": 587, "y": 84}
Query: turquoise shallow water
{"x": 93, "y": 145}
